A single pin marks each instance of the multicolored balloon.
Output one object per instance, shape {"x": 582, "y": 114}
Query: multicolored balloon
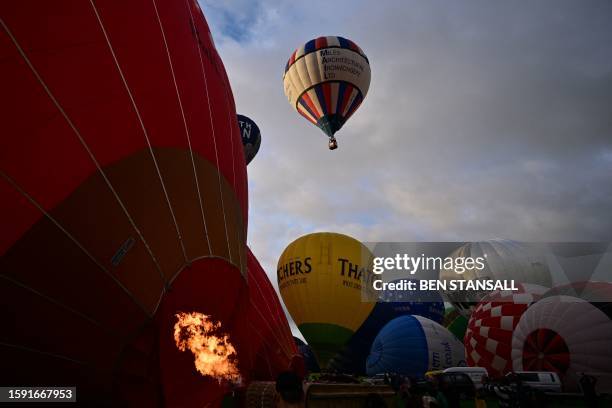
{"x": 251, "y": 137}
{"x": 503, "y": 259}
{"x": 310, "y": 360}
{"x": 488, "y": 339}
{"x": 413, "y": 345}
{"x": 392, "y": 304}
{"x": 326, "y": 80}
{"x": 321, "y": 277}
{"x": 567, "y": 331}
{"x": 455, "y": 322}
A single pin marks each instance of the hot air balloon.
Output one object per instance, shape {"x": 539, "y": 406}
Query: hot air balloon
{"x": 310, "y": 360}
{"x": 488, "y": 339}
{"x": 326, "y": 80}
{"x": 568, "y": 331}
{"x": 413, "y": 345}
{"x": 271, "y": 346}
{"x": 251, "y": 137}
{"x": 455, "y": 322}
{"x": 123, "y": 204}
{"x": 503, "y": 259}
{"x": 392, "y": 304}
{"x": 321, "y": 278}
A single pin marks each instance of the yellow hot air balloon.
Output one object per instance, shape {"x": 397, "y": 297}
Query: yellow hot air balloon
{"x": 326, "y": 283}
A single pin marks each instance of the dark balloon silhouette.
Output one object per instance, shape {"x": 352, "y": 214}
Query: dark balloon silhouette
{"x": 251, "y": 137}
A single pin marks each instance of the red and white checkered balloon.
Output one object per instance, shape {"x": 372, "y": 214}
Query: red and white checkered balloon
{"x": 488, "y": 339}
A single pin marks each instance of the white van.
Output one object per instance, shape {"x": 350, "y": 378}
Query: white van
{"x": 476, "y": 374}
{"x": 540, "y": 380}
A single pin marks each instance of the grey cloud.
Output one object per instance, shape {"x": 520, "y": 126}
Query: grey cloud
{"x": 484, "y": 119}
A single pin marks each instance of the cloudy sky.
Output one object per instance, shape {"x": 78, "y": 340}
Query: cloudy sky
{"x": 483, "y": 120}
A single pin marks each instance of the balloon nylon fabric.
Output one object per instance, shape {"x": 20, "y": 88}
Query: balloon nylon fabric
{"x": 326, "y": 81}
{"x": 320, "y": 277}
{"x": 352, "y": 357}
{"x": 251, "y": 137}
{"x": 123, "y": 198}
{"x": 413, "y": 345}
{"x": 401, "y": 344}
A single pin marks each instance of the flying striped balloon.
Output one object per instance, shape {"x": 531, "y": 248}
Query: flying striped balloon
{"x": 326, "y": 80}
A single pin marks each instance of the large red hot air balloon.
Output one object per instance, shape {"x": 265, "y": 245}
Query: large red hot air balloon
{"x": 272, "y": 348}
{"x": 123, "y": 202}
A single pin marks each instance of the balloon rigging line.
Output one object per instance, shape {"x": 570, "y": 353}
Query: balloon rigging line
{"x": 146, "y": 135}
{"x": 178, "y": 96}
{"x": 265, "y": 343}
{"x": 83, "y": 143}
{"x": 277, "y": 317}
{"x": 73, "y": 239}
{"x": 230, "y": 121}
{"x": 284, "y": 349}
{"x": 232, "y": 125}
{"x": 258, "y": 287}
{"x": 46, "y": 353}
{"x": 212, "y": 126}
{"x": 58, "y": 303}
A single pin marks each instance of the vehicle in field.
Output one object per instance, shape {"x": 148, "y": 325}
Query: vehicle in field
{"x": 476, "y": 374}
{"x": 546, "y": 381}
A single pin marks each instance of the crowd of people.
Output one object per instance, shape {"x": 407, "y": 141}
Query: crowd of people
{"x": 436, "y": 392}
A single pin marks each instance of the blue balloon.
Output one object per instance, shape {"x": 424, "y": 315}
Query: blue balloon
{"x": 413, "y": 345}
{"x": 251, "y": 137}
{"x": 392, "y": 304}
{"x": 310, "y": 361}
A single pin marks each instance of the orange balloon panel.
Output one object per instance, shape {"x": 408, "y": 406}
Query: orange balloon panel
{"x": 122, "y": 183}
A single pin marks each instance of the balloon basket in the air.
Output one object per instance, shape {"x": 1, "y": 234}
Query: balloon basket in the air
{"x": 333, "y": 143}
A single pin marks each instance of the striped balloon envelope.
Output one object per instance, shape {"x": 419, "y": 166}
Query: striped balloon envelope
{"x": 568, "y": 331}
{"x": 326, "y": 80}
{"x": 412, "y": 345}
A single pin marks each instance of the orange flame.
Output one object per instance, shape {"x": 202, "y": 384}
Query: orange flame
{"x": 215, "y": 356}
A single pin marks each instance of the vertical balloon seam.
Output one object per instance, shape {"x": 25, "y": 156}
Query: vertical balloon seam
{"x": 293, "y": 250}
{"x": 144, "y": 130}
{"x": 90, "y": 154}
{"x": 212, "y": 126}
{"x": 232, "y": 125}
{"x": 284, "y": 349}
{"x": 332, "y": 254}
{"x": 278, "y": 318}
{"x": 345, "y": 106}
{"x": 187, "y": 134}
{"x": 268, "y": 305}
